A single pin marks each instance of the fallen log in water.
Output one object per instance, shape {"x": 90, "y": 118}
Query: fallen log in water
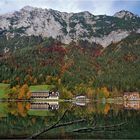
{"x": 57, "y": 125}
{"x": 99, "y": 128}
{"x": 47, "y": 129}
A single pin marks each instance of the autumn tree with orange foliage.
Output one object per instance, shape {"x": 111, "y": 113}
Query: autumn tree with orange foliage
{"x": 102, "y": 93}
{"x": 107, "y": 108}
{"x": 18, "y": 92}
{"x": 19, "y": 108}
{"x": 105, "y": 92}
{"x": 24, "y": 92}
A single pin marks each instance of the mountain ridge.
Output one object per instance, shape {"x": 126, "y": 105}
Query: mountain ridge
{"x": 68, "y": 27}
{"x": 28, "y": 7}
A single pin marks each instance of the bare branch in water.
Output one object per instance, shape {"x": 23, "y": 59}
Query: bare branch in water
{"x": 49, "y": 128}
{"x": 56, "y": 125}
{"x": 110, "y": 126}
{"x": 93, "y": 127}
{"x": 99, "y": 128}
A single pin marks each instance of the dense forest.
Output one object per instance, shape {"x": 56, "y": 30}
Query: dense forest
{"x": 75, "y": 68}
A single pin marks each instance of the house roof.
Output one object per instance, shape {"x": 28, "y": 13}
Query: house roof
{"x": 130, "y": 93}
{"x": 40, "y": 91}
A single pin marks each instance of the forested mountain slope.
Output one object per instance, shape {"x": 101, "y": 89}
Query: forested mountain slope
{"x": 48, "y": 61}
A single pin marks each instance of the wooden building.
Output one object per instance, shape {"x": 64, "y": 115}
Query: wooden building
{"x": 81, "y": 98}
{"x": 45, "y": 95}
{"x": 131, "y": 96}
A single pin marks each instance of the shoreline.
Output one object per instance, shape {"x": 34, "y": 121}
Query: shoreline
{"x": 108, "y": 100}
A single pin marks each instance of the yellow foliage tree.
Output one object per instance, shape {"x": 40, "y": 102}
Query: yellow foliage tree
{"x": 90, "y": 93}
{"x": 80, "y": 88}
{"x": 105, "y": 92}
{"x": 28, "y": 95}
{"x": 35, "y": 81}
{"x": 28, "y": 106}
{"x": 13, "y": 92}
{"x": 24, "y": 92}
{"x": 65, "y": 94}
{"x": 107, "y": 108}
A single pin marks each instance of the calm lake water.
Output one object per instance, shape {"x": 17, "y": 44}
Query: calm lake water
{"x": 103, "y": 120}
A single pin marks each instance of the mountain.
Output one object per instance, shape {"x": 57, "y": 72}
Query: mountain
{"x": 76, "y": 66}
{"x": 74, "y": 51}
{"x": 67, "y": 27}
{"x": 123, "y": 14}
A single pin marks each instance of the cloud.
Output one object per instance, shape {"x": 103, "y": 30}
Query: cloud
{"x": 108, "y": 7}
{"x": 61, "y": 5}
{"x": 100, "y": 7}
{"x": 132, "y": 6}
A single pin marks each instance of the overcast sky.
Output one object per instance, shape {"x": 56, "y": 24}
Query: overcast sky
{"x": 96, "y": 7}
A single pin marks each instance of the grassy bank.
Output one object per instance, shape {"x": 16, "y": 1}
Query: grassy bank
{"x": 41, "y": 87}
{"x": 3, "y": 88}
{"x": 40, "y": 113}
{"x": 117, "y": 100}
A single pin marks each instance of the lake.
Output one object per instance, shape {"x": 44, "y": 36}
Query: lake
{"x": 78, "y": 120}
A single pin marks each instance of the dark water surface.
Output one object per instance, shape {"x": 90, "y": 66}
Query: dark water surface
{"x": 103, "y": 120}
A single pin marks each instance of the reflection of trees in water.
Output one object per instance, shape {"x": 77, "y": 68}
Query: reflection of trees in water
{"x": 18, "y": 122}
{"x": 22, "y": 108}
{"x": 90, "y": 124}
{"x": 100, "y": 122}
{"x": 18, "y": 108}
{"x": 21, "y": 126}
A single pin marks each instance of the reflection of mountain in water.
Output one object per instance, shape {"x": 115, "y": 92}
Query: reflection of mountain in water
{"x": 44, "y": 106}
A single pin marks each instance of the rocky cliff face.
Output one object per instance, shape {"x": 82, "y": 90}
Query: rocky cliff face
{"x": 68, "y": 27}
{"x": 125, "y": 15}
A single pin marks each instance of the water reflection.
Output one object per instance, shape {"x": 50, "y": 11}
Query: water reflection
{"x": 21, "y": 119}
{"x": 132, "y": 105}
{"x": 23, "y": 108}
{"x": 53, "y": 105}
{"x": 80, "y": 103}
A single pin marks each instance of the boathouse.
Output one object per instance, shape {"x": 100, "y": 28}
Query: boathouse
{"x": 45, "y": 95}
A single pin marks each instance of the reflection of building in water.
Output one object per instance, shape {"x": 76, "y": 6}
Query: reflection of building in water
{"x": 80, "y": 100}
{"x": 131, "y": 96}
{"x": 45, "y": 95}
{"x": 80, "y": 103}
{"x": 132, "y": 105}
{"x": 44, "y": 106}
